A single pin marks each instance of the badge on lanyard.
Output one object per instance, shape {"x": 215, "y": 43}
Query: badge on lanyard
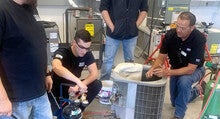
{"x": 183, "y": 53}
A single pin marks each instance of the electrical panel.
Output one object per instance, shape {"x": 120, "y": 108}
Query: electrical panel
{"x": 213, "y": 41}
{"x": 53, "y": 2}
{"x": 173, "y": 8}
{"x": 178, "y": 2}
{"x": 52, "y": 34}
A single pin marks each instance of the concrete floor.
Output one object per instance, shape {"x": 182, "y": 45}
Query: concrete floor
{"x": 99, "y": 111}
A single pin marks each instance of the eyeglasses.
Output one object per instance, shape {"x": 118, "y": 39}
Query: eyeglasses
{"x": 82, "y": 47}
{"x": 182, "y": 28}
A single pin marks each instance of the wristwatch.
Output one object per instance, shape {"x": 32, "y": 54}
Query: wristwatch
{"x": 48, "y": 73}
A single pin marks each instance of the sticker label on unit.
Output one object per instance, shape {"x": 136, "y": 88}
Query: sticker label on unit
{"x": 53, "y": 47}
{"x": 90, "y": 28}
{"x": 215, "y": 48}
{"x": 218, "y": 86}
{"x": 53, "y": 35}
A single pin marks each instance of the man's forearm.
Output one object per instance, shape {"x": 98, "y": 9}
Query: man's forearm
{"x": 182, "y": 71}
{"x": 158, "y": 62}
{"x": 63, "y": 72}
{"x": 107, "y": 19}
{"x": 90, "y": 79}
{"x": 141, "y": 17}
{"x": 93, "y": 74}
{"x": 3, "y": 94}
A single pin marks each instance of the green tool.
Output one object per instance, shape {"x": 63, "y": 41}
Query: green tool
{"x": 211, "y": 102}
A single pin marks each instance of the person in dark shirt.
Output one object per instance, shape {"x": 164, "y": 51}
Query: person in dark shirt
{"x": 23, "y": 62}
{"x": 185, "y": 47}
{"x": 68, "y": 64}
{"x": 122, "y": 18}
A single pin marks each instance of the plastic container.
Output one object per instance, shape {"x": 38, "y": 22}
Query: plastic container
{"x": 106, "y": 92}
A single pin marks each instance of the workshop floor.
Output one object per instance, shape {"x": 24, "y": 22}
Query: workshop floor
{"x": 99, "y": 111}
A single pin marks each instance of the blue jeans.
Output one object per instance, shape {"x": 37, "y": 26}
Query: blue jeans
{"x": 111, "y": 48}
{"x": 38, "y": 108}
{"x": 182, "y": 92}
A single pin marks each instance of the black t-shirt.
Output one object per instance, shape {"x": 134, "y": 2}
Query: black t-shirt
{"x": 23, "y": 57}
{"x": 123, "y": 14}
{"x": 180, "y": 52}
{"x": 72, "y": 63}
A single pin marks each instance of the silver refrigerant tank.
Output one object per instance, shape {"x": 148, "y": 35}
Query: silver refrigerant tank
{"x": 134, "y": 96}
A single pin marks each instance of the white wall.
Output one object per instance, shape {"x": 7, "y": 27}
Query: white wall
{"x": 207, "y": 11}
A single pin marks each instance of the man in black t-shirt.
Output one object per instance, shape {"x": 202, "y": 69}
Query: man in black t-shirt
{"x": 185, "y": 47}
{"x": 68, "y": 64}
{"x": 23, "y": 62}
